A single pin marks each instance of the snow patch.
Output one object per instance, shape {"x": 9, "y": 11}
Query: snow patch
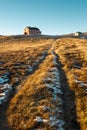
{"x": 53, "y": 85}
{"x": 57, "y": 122}
{"x": 30, "y": 69}
{"x": 6, "y": 89}
{"x": 82, "y": 84}
{"x": 39, "y": 119}
{"x": 4, "y": 78}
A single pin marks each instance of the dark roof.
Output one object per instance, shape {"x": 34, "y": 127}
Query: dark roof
{"x": 79, "y": 32}
{"x": 35, "y": 28}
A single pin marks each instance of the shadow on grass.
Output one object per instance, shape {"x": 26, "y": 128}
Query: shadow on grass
{"x": 3, "y": 110}
{"x": 69, "y": 106}
{"x": 4, "y": 107}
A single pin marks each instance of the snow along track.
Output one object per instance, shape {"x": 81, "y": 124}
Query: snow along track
{"x": 57, "y": 119}
{"x": 6, "y": 88}
{"x": 52, "y": 82}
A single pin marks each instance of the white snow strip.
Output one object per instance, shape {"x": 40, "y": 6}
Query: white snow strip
{"x": 77, "y": 81}
{"x": 56, "y": 110}
{"x": 57, "y": 91}
{"x": 56, "y": 122}
{"x": 54, "y": 69}
{"x": 5, "y": 86}
{"x": 2, "y": 94}
{"x": 39, "y": 119}
{"x": 82, "y": 83}
{"x": 50, "y": 79}
{"x": 53, "y": 86}
{"x": 3, "y": 80}
{"x": 6, "y": 90}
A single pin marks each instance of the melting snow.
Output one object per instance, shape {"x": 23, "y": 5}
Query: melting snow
{"x": 57, "y": 102}
{"x": 30, "y": 69}
{"x": 82, "y": 84}
{"x": 39, "y": 119}
{"x": 3, "y": 80}
{"x": 54, "y": 84}
{"x": 2, "y": 94}
{"x": 6, "y": 88}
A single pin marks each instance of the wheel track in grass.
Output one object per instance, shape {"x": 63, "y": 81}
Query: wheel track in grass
{"x": 52, "y": 85}
{"x": 65, "y": 114}
{"x": 30, "y": 69}
{"x": 69, "y": 107}
{"x": 4, "y": 106}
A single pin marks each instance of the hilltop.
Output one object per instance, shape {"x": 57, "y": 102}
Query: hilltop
{"x": 43, "y": 83}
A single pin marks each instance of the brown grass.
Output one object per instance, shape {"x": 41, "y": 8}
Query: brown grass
{"x": 29, "y": 102}
{"x": 31, "y": 92}
{"x": 73, "y": 55}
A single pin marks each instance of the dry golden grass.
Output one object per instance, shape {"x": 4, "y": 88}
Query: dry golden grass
{"x": 29, "y": 102}
{"x": 32, "y": 94}
{"x": 73, "y": 55}
{"x": 17, "y": 56}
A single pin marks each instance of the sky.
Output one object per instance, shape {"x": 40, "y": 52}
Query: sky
{"x": 53, "y": 17}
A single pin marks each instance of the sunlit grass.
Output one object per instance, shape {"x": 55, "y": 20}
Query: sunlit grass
{"x": 73, "y": 55}
{"x": 18, "y": 57}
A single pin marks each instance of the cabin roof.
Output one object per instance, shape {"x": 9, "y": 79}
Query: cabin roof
{"x": 79, "y": 32}
{"x": 32, "y": 28}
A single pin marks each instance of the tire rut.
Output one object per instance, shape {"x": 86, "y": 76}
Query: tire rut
{"x": 4, "y": 106}
{"x": 68, "y": 98}
{"x": 69, "y": 107}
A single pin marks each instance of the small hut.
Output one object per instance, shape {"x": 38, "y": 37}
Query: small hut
{"x": 32, "y": 31}
{"x": 78, "y": 34}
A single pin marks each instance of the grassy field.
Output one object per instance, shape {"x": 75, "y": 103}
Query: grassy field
{"x": 73, "y": 56}
{"x": 43, "y": 83}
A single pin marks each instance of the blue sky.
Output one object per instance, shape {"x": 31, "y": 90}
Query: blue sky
{"x": 53, "y": 17}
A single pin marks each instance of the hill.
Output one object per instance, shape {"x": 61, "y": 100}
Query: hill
{"x": 43, "y": 83}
